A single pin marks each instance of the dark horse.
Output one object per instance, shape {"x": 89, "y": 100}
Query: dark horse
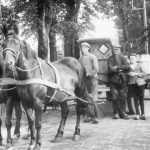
{"x": 9, "y": 96}
{"x": 69, "y": 76}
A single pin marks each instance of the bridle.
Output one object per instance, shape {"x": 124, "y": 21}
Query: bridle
{"x": 14, "y": 53}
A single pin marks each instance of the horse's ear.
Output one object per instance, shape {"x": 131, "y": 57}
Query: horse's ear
{"x": 11, "y": 28}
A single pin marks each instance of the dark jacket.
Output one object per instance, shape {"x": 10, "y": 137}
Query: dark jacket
{"x": 121, "y": 70}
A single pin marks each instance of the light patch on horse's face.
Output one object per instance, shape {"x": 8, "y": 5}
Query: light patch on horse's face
{"x": 12, "y": 43}
{"x": 11, "y": 49}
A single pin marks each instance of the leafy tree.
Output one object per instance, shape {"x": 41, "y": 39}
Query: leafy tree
{"x": 7, "y": 19}
{"x": 50, "y": 17}
{"x": 75, "y": 22}
{"x": 130, "y": 22}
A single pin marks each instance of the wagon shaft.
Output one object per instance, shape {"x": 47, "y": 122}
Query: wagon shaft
{"x": 10, "y": 81}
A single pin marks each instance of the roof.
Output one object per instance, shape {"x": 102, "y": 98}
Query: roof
{"x": 94, "y": 40}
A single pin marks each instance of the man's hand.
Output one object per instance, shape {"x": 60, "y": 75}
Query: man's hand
{"x": 132, "y": 74}
{"x": 115, "y": 67}
{"x": 90, "y": 75}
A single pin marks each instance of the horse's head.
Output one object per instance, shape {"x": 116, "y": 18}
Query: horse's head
{"x": 11, "y": 50}
{"x": 16, "y": 52}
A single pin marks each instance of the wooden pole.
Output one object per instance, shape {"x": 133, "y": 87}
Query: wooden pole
{"x": 145, "y": 25}
{"x": 0, "y": 13}
{"x": 144, "y": 21}
{"x": 1, "y": 23}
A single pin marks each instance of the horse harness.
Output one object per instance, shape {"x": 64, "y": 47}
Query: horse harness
{"x": 56, "y": 86}
{"x": 70, "y": 95}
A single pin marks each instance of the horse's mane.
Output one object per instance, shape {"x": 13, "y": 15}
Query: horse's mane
{"x": 29, "y": 52}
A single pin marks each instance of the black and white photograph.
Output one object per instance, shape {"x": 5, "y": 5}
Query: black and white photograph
{"x": 74, "y": 74}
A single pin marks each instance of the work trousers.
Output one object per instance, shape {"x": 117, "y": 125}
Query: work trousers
{"x": 92, "y": 86}
{"x": 137, "y": 92}
{"x": 129, "y": 101}
{"x": 119, "y": 96}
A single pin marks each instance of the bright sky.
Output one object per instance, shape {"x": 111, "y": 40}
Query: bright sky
{"x": 103, "y": 28}
{"x": 5, "y": 2}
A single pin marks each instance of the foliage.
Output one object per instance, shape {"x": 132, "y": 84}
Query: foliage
{"x": 27, "y": 10}
{"x": 128, "y": 21}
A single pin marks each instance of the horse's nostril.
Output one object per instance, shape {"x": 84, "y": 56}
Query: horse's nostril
{"x": 10, "y": 64}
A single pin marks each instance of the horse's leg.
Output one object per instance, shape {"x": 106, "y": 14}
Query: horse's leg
{"x": 77, "y": 128}
{"x": 29, "y": 112}
{"x": 45, "y": 108}
{"x": 9, "y": 110}
{"x": 18, "y": 113}
{"x": 64, "y": 113}
{"x": 38, "y": 122}
{"x": 1, "y": 138}
{"x": 28, "y": 134}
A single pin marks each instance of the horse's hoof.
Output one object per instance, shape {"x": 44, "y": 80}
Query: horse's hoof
{"x": 26, "y": 137}
{"x": 34, "y": 147}
{"x": 57, "y": 140}
{"x": 76, "y": 137}
{"x": 37, "y": 147}
{"x": 15, "y": 139}
{"x": 30, "y": 147}
{"x": 9, "y": 147}
{"x": 2, "y": 148}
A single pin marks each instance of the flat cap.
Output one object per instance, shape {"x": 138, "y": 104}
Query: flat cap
{"x": 115, "y": 43}
{"x": 132, "y": 54}
{"x": 85, "y": 44}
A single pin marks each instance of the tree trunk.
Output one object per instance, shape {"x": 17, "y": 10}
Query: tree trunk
{"x": 43, "y": 25}
{"x": 53, "y": 53}
{"x": 52, "y": 37}
{"x": 124, "y": 19}
{"x": 71, "y": 36}
{"x": 42, "y": 36}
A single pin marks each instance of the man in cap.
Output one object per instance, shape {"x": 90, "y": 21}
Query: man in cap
{"x": 117, "y": 67}
{"x": 90, "y": 63}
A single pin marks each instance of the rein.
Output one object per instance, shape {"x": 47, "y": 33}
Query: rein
{"x": 28, "y": 70}
{"x": 1, "y": 89}
{"x": 10, "y": 81}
